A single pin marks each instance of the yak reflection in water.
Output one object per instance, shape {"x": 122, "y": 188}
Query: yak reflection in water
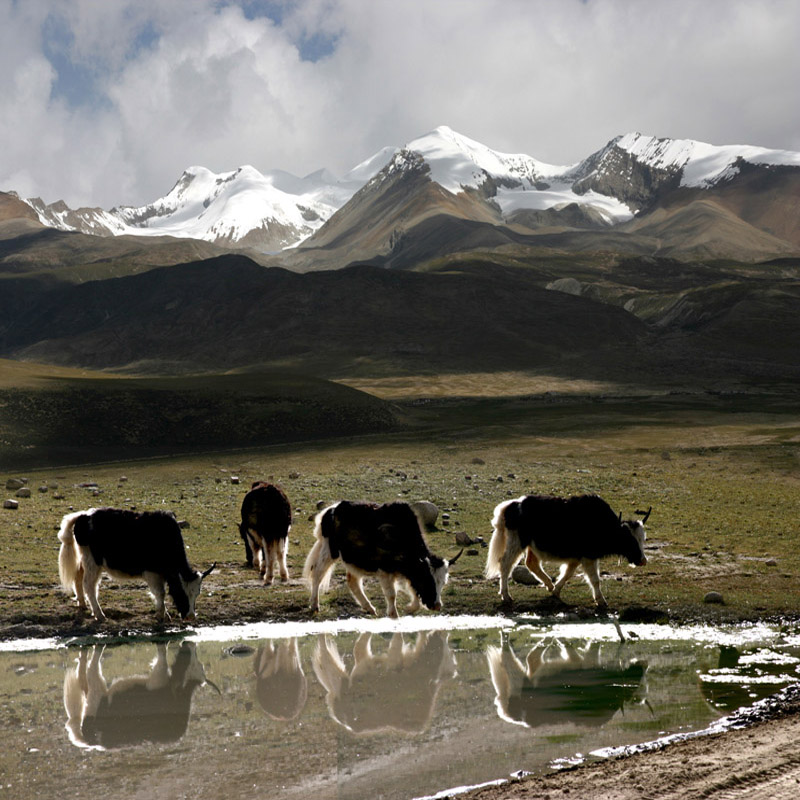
{"x": 561, "y": 683}
{"x": 281, "y": 686}
{"x": 134, "y": 710}
{"x": 392, "y": 690}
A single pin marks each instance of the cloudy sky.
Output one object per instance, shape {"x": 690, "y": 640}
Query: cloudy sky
{"x": 105, "y": 102}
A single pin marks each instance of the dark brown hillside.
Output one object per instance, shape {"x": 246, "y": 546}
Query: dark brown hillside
{"x": 114, "y": 417}
{"x": 703, "y": 228}
{"x": 229, "y": 312}
{"x": 766, "y": 197}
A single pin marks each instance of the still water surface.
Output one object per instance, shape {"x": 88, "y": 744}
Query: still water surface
{"x": 362, "y": 708}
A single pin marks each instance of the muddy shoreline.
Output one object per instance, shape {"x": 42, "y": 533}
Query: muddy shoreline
{"x": 757, "y": 760}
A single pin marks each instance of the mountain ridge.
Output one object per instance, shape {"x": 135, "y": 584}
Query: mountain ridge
{"x": 277, "y": 212}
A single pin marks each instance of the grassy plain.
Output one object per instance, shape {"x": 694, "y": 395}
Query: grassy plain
{"x": 721, "y": 472}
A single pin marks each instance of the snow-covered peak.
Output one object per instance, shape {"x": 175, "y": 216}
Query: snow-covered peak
{"x": 368, "y": 168}
{"x": 229, "y": 205}
{"x": 457, "y": 162}
{"x": 701, "y": 164}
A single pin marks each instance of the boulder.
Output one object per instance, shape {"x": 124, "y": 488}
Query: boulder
{"x": 428, "y": 512}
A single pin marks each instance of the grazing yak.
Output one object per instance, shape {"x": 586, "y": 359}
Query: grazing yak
{"x": 576, "y": 531}
{"x": 266, "y": 520}
{"x": 127, "y": 545}
{"x": 381, "y": 540}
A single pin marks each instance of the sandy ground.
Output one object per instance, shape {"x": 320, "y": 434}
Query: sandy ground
{"x": 758, "y": 762}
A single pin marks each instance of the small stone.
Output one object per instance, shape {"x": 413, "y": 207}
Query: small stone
{"x": 713, "y": 597}
{"x": 23, "y": 492}
{"x": 234, "y": 479}
{"x": 771, "y": 562}
{"x": 463, "y": 538}
{"x": 13, "y": 484}
{"x": 473, "y": 551}
{"x": 44, "y": 489}
{"x": 183, "y": 523}
{"x": 10, "y": 504}
{"x": 521, "y": 574}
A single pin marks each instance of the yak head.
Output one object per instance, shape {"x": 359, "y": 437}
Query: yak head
{"x": 433, "y": 576}
{"x": 633, "y": 531}
{"x": 186, "y": 599}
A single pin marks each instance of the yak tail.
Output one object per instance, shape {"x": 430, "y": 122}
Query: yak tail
{"x": 497, "y": 545}
{"x": 320, "y": 559}
{"x": 68, "y": 556}
{"x": 319, "y": 562}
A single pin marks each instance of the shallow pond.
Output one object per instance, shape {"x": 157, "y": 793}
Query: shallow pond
{"x": 362, "y": 708}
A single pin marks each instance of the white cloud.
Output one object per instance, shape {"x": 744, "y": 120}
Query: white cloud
{"x": 193, "y": 82}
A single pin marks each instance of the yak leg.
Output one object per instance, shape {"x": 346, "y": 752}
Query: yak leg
{"x": 156, "y": 585}
{"x": 510, "y": 557}
{"x": 567, "y": 571}
{"x": 268, "y": 555}
{"x": 415, "y": 603}
{"x": 390, "y": 593}
{"x": 282, "y": 546}
{"x": 91, "y": 581}
{"x": 80, "y": 595}
{"x": 356, "y": 589}
{"x": 533, "y": 563}
{"x": 590, "y": 569}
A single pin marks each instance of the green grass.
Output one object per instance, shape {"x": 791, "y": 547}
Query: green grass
{"x": 722, "y": 475}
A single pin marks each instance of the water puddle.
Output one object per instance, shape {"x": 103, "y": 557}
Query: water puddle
{"x": 365, "y": 708}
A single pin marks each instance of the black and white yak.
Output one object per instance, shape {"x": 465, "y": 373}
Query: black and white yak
{"x": 385, "y": 541}
{"x": 575, "y": 531}
{"x": 265, "y": 525}
{"x": 127, "y": 545}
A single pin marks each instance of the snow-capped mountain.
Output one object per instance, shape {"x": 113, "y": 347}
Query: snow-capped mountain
{"x": 244, "y": 208}
{"x": 451, "y": 174}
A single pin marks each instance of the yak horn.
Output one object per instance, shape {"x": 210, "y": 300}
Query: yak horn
{"x": 453, "y": 560}
{"x": 646, "y": 514}
{"x": 208, "y": 571}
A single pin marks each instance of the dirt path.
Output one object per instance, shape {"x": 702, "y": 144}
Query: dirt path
{"x": 760, "y": 762}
